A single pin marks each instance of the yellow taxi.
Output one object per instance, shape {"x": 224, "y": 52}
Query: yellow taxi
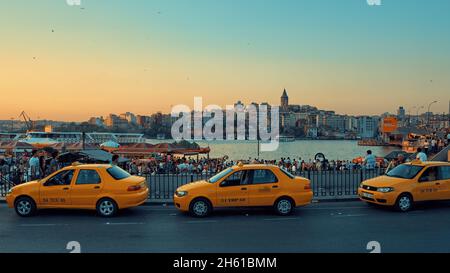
{"x": 104, "y": 188}
{"x": 408, "y": 183}
{"x": 245, "y": 186}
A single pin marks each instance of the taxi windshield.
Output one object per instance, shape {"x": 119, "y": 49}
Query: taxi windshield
{"x": 220, "y": 175}
{"x": 405, "y": 171}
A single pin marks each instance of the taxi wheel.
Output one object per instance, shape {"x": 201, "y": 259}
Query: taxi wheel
{"x": 25, "y": 206}
{"x": 200, "y": 208}
{"x": 404, "y": 202}
{"x": 284, "y": 206}
{"x": 106, "y": 207}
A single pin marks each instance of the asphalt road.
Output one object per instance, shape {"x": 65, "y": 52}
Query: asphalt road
{"x": 324, "y": 227}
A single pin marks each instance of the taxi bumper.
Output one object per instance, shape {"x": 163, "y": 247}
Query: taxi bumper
{"x": 181, "y": 203}
{"x": 303, "y": 199}
{"x": 10, "y": 200}
{"x": 133, "y": 200}
{"x": 380, "y": 198}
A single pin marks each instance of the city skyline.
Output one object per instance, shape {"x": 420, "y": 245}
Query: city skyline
{"x": 284, "y": 99}
{"x": 65, "y": 63}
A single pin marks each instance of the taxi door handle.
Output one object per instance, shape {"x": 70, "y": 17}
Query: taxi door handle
{"x": 97, "y": 187}
{"x": 243, "y": 189}
{"x": 274, "y": 187}
{"x": 438, "y": 184}
{"x": 65, "y": 189}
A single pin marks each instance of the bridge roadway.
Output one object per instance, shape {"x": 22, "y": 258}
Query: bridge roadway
{"x": 320, "y": 227}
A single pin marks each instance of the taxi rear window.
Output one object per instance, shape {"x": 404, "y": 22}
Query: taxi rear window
{"x": 287, "y": 173}
{"x": 118, "y": 173}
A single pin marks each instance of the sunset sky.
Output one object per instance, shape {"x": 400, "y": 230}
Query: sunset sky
{"x": 65, "y": 62}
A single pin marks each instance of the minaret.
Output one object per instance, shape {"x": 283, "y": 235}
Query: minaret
{"x": 284, "y": 101}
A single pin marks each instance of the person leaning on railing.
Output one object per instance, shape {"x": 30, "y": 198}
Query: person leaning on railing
{"x": 34, "y": 166}
{"x": 369, "y": 161}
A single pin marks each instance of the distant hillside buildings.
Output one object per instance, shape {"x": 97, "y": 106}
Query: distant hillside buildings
{"x": 302, "y": 121}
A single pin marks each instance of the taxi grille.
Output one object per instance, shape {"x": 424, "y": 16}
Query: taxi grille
{"x": 369, "y": 188}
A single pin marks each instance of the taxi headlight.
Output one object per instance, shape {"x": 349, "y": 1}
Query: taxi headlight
{"x": 385, "y": 189}
{"x": 10, "y": 191}
{"x": 181, "y": 193}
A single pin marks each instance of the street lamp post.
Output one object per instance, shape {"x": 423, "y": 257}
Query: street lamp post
{"x": 417, "y": 114}
{"x": 428, "y": 112}
{"x": 411, "y": 112}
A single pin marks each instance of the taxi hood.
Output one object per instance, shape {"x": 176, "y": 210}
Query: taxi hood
{"x": 194, "y": 185}
{"x": 27, "y": 185}
{"x": 384, "y": 181}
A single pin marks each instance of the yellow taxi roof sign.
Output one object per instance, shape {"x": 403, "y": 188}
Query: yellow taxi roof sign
{"x": 76, "y": 163}
{"x": 240, "y": 164}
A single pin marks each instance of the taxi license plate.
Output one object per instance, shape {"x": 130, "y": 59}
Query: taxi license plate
{"x": 368, "y": 195}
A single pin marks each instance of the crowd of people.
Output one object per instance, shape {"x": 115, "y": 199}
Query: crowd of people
{"x": 27, "y": 167}
{"x": 185, "y": 165}
{"x": 433, "y": 144}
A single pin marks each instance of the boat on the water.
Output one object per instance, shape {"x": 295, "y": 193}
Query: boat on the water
{"x": 285, "y": 138}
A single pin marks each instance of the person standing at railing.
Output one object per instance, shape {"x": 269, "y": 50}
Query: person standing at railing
{"x": 34, "y": 166}
{"x": 370, "y": 161}
{"x": 426, "y": 146}
{"x": 42, "y": 166}
{"x": 52, "y": 164}
{"x": 115, "y": 160}
{"x": 421, "y": 155}
{"x": 434, "y": 146}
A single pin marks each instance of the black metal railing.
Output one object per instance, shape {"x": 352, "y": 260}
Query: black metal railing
{"x": 325, "y": 184}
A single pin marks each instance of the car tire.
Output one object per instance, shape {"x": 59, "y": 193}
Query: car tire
{"x": 200, "y": 208}
{"x": 25, "y": 206}
{"x": 404, "y": 202}
{"x": 106, "y": 207}
{"x": 284, "y": 206}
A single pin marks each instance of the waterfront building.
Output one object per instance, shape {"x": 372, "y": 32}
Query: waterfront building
{"x": 284, "y": 105}
{"x": 368, "y": 126}
{"x": 401, "y": 113}
{"x": 129, "y": 117}
{"x": 96, "y": 121}
{"x": 351, "y": 124}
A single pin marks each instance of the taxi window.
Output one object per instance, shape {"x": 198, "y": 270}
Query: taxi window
{"x": 287, "y": 173}
{"x": 88, "y": 177}
{"x": 60, "y": 179}
{"x": 118, "y": 173}
{"x": 405, "y": 171}
{"x": 263, "y": 177}
{"x": 429, "y": 175}
{"x": 220, "y": 175}
{"x": 235, "y": 179}
{"x": 444, "y": 173}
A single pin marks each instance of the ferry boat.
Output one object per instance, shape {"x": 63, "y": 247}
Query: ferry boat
{"x": 42, "y": 138}
{"x": 285, "y": 138}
